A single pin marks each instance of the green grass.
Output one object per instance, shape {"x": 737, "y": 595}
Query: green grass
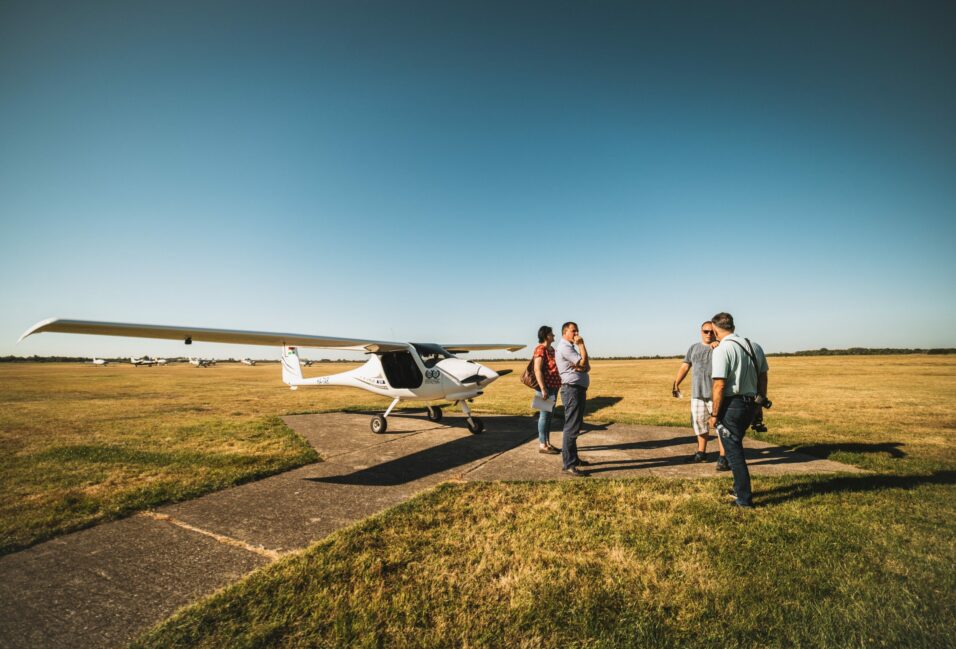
{"x": 835, "y": 562}
{"x": 852, "y": 560}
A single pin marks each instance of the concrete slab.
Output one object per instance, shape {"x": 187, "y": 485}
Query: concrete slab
{"x": 103, "y": 586}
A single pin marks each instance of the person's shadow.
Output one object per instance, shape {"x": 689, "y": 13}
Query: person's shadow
{"x": 854, "y": 483}
{"x": 826, "y": 450}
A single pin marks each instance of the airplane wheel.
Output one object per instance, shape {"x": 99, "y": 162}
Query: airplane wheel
{"x": 379, "y": 424}
{"x": 434, "y": 413}
{"x": 475, "y": 425}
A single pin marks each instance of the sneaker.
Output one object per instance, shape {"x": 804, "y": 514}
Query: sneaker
{"x": 574, "y": 471}
{"x": 549, "y": 450}
{"x": 583, "y": 463}
{"x": 698, "y": 457}
{"x": 759, "y": 428}
{"x": 737, "y": 505}
{"x": 723, "y": 464}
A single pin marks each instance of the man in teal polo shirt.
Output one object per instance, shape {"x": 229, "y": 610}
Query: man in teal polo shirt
{"x": 739, "y": 371}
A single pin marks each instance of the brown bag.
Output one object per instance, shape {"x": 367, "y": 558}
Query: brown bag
{"x": 528, "y": 378}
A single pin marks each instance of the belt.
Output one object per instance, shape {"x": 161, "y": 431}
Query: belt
{"x": 748, "y": 398}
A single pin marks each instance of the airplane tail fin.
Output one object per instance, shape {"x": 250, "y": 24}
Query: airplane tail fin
{"x": 291, "y": 370}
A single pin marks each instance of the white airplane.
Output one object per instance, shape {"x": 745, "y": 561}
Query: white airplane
{"x": 307, "y": 362}
{"x": 100, "y": 361}
{"x": 248, "y": 361}
{"x": 202, "y": 362}
{"x": 398, "y": 370}
{"x": 147, "y": 361}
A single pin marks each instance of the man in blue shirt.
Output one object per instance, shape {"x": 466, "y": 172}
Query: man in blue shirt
{"x": 739, "y": 370}
{"x": 573, "y": 366}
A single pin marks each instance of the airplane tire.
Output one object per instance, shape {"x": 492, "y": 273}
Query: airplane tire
{"x": 379, "y": 424}
{"x": 475, "y": 425}
{"x": 434, "y": 413}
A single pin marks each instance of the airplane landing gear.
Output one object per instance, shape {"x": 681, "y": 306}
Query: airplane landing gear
{"x": 475, "y": 425}
{"x": 434, "y": 413}
{"x": 379, "y": 423}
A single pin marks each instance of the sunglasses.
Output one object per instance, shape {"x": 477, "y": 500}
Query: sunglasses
{"x": 706, "y": 331}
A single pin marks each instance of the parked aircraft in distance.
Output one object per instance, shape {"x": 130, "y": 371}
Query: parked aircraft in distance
{"x": 100, "y": 361}
{"x": 399, "y": 370}
{"x": 147, "y": 361}
{"x": 248, "y": 361}
{"x": 202, "y": 362}
{"x": 307, "y": 362}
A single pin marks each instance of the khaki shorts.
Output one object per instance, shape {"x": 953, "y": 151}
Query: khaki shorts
{"x": 700, "y": 412}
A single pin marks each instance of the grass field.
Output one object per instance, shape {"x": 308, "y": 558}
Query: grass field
{"x": 863, "y": 560}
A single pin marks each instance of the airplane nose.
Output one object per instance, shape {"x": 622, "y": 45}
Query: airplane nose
{"x": 488, "y": 375}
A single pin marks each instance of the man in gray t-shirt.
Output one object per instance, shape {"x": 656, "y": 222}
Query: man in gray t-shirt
{"x": 701, "y": 399}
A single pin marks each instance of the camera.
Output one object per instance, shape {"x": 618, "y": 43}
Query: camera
{"x": 763, "y": 402}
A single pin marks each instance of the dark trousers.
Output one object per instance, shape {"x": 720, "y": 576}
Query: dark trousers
{"x": 573, "y": 397}
{"x": 735, "y": 418}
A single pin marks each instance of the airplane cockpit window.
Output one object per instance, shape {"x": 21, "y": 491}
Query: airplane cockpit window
{"x": 431, "y": 354}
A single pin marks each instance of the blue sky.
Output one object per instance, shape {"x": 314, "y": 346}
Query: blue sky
{"x": 466, "y": 172}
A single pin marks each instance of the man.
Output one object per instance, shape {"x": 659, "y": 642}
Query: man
{"x": 740, "y": 383}
{"x": 573, "y": 366}
{"x": 701, "y": 403}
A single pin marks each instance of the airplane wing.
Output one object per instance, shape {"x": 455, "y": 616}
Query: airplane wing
{"x": 201, "y": 334}
{"x": 461, "y": 348}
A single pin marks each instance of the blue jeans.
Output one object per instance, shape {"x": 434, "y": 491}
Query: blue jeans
{"x": 573, "y": 397}
{"x": 735, "y": 419}
{"x": 544, "y": 419}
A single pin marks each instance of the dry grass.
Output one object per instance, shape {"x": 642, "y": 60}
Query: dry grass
{"x": 79, "y": 444}
{"x": 863, "y": 560}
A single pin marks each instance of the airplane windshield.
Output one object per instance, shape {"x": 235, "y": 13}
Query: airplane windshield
{"x": 431, "y": 354}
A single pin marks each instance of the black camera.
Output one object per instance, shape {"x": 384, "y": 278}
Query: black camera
{"x": 763, "y": 402}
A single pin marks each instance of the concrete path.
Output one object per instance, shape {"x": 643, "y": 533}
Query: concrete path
{"x": 103, "y": 586}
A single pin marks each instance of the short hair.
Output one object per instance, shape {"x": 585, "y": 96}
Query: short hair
{"x": 706, "y": 322}
{"x": 724, "y": 321}
{"x": 567, "y": 324}
{"x": 543, "y": 332}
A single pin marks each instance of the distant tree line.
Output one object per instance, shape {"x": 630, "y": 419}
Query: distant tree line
{"x": 823, "y": 351}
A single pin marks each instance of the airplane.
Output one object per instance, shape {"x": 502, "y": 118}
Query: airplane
{"x": 307, "y": 362}
{"x": 202, "y": 362}
{"x": 100, "y": 361}
{"x": 399, "y": 370}
{"x": 147, "y": 361}
{"x": 248, "y": 361}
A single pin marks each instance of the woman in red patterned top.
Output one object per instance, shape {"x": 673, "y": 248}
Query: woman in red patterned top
{"x": 546, "y": 373}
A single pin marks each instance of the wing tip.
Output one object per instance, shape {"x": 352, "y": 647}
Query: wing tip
{"x": 37, "y": 328}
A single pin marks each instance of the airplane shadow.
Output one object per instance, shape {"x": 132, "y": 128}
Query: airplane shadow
{"x": 501, "y": 434}
{"x": 592, "y": 406}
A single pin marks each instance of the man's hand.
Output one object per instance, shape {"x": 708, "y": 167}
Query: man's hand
{"x": 712, "y": 421}
{"x": 578, "y": 340}
{"x": 675, "y": 392}
{"x": 714, "y": 344}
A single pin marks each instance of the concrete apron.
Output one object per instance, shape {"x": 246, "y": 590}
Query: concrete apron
{"x": 103, "y": 586}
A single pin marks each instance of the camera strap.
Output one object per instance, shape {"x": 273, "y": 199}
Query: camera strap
{"x": 751, "y": 354}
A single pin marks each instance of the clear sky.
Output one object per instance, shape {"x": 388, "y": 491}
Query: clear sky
{"x": 464, "y": 172}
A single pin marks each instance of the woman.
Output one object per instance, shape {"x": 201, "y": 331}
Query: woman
{"x": 549, "y": 381}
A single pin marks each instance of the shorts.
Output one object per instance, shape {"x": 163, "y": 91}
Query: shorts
{"x": 700, "y": 412}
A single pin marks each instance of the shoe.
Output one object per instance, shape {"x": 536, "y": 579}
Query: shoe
{"x": 759, "y": 428}
{"x": 698, "y": 457}
{"x": 737, "y": 505}
{"x": 723, "y": 464}
{"x": 549, "y": 451}
{"x": 574, "y": 471}
{"x": 583, "y": 463}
